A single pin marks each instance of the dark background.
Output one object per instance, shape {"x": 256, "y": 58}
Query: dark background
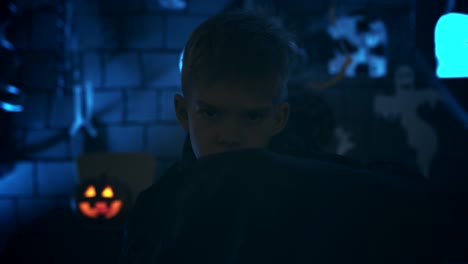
{"x": 129, "y": 51}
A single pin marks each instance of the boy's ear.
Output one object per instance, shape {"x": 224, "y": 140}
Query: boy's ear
{"x": 180, "y": 107}
{"x": 281, "y": 118}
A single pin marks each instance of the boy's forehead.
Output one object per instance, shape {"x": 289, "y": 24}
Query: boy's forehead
{"x": 228, "y": 97}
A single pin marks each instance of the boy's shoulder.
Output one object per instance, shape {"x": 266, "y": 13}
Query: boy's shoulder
{"x": 169, "y": 180}
{"x": 151, "y": 213}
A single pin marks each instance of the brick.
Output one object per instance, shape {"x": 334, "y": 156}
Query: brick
{"x": 207, "y": 7}
{"x": 34, "y": 114}
{"x": 165, "y": 140}
{"x": 125, "y": 138}
{"x": 143, "y": 32}
{"x": 56, "y": 178}
{"x": 77, "y": 145}
{"x": 121, "y": 7}
{"x": 179, "y": 29}
{"x": 62, "y": 111}
{"x": 108, "y": 106}
{"x": 92, "y": 68}
{"x": 8, "y": 216}
{"x": 19, "y": 181}
{"x": 39, "y": 70}
{"x": 122, "y": 70}
{"x": 84, "y": 143}
{"x": 161, "y": 70}
{"x": 141, "y": 106}
{"x": 166, "y": 105}
{"x": 47, "y": 143}
{"x": 30, "y": 209}
{"x": 96, "y": 32}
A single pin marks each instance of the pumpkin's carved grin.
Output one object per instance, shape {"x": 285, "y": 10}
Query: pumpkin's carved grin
{"x": 100, "y": 209}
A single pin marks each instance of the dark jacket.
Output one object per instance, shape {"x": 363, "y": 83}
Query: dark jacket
{"x": 255, "y": 206}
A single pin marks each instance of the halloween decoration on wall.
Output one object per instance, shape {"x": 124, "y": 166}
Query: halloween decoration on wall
{"x": 451, "y": 46}
{"x": 344, "y": 141}
{"x": 404, "y": 106}
{"x": 102, "y": 199}
{"x": 342, "y": 44}
{"x": 365, "y": 38}
{"x": 10, "y": 95}
{"x": 83, "y": 96}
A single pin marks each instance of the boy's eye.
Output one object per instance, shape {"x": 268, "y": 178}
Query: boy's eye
{"x": 208, "y": 113}
{"x": 253, "y": 117}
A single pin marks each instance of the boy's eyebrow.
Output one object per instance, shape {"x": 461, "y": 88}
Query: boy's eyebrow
{"x": 262, "y": 109}
{"x": 203, "y": 104}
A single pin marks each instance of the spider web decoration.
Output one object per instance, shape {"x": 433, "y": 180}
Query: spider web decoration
{"x": 365, "y": 39}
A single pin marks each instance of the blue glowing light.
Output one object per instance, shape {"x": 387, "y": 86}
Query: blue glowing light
{"x": 11, "y": 107}
{"x": 12, "y": 89}
{"x": 181, "y": 60}
{"x": 451, "y": 46}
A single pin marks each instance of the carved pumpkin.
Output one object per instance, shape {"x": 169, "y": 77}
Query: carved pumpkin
{"x": 103, "y": 198}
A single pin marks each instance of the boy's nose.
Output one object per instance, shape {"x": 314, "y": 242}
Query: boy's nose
{"x": 230, "y": 137}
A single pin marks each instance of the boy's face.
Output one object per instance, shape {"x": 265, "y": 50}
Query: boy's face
{"x": 225, "y": 118}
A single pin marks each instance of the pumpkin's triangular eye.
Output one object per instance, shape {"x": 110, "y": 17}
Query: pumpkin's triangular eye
{"x": 107, "y": 192}
{"x": 90, "y": 192}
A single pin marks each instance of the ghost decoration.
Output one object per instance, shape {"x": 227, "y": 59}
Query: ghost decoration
{"x": 365, "y": 39}
{"x": 403, "y": 106}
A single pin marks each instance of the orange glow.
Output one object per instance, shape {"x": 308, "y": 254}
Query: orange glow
{"x": 100, "y": 209}
{"x": 107, "y": 192}
{"x": 90, "y": 192}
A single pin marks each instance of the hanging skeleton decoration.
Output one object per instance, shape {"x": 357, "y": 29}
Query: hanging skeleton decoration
{"x": 10, "y": 95}
{"x": 70, "y": 74}
{"x": 365, "y": 39}
{"x": 83, "y": 96}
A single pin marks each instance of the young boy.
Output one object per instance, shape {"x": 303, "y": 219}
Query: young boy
{"x": 284, "y": 210}
{"x": 235, "y": 70}
{"x": 234, "y": 76}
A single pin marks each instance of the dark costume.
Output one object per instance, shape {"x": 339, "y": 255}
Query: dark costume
{"x": 255, "y": 206}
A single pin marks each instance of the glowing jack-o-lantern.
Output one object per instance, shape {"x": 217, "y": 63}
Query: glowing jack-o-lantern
{"x": 101, "y": 198}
